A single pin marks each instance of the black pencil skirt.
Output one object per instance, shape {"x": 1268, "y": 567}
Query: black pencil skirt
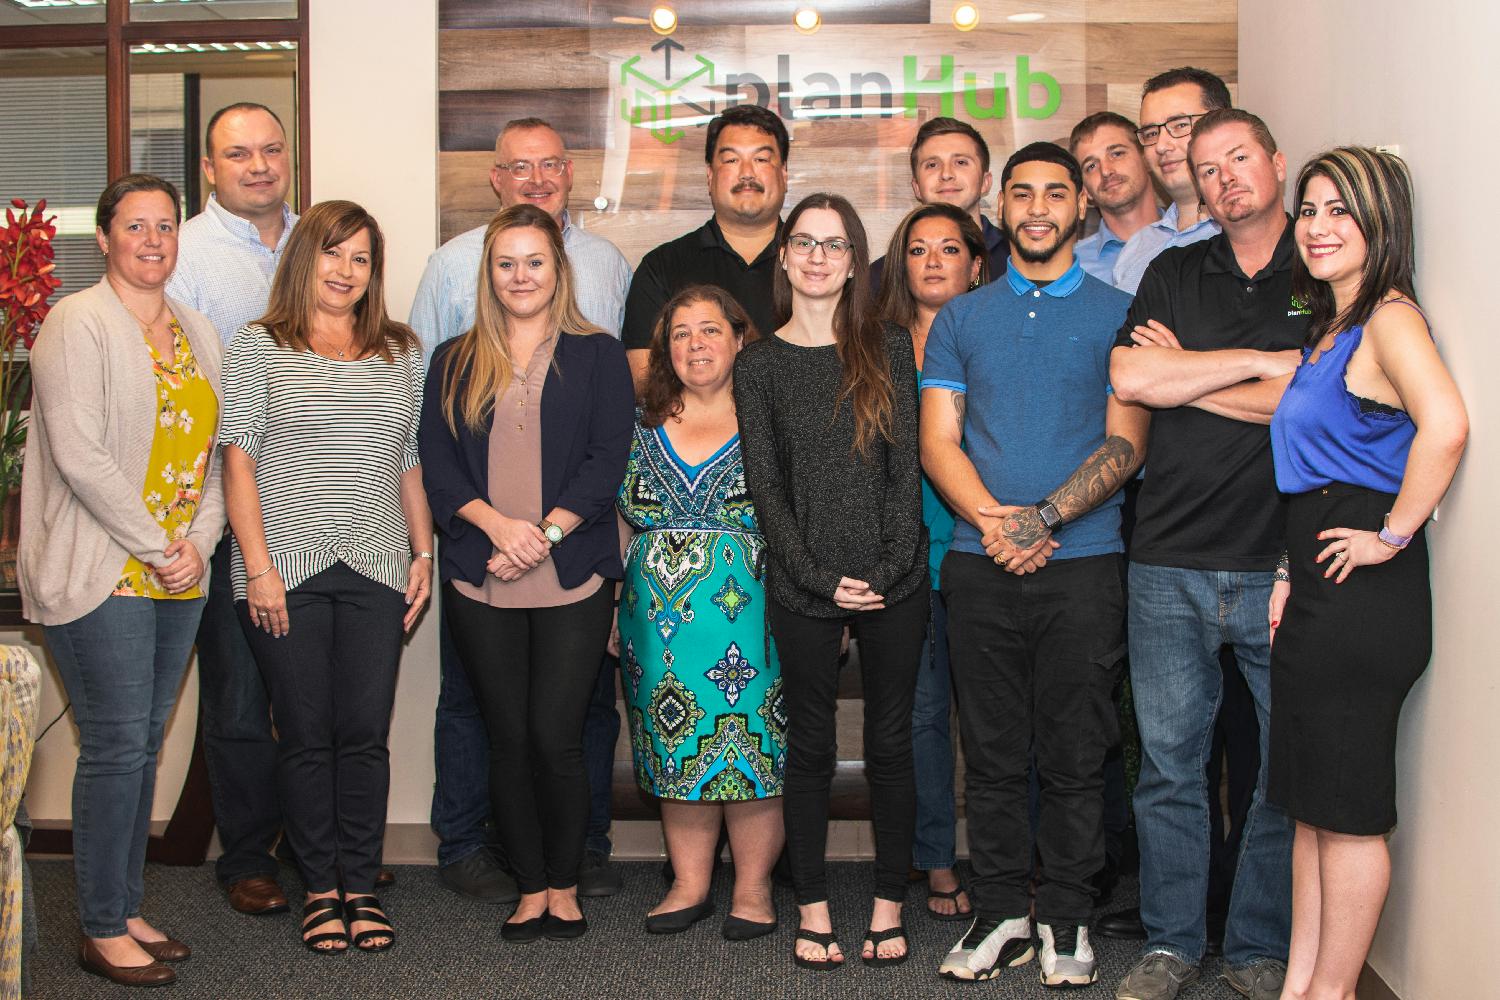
{"x": 1344, "y": 659}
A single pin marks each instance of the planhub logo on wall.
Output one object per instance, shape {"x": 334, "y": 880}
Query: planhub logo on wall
{"x": 671, "y": 89}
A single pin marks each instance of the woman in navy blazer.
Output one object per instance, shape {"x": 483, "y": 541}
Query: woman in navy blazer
{"x": 525, "y": 432}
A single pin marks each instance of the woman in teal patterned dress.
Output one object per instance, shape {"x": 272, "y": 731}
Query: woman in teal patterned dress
{"x": 707, "y": 726}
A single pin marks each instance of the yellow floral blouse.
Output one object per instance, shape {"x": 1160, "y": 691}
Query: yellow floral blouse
{"x": 187, "y": 414}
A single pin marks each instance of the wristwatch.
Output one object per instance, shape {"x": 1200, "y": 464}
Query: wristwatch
{"x": 1048, "y": 512}
{"x": 553, "y": 533}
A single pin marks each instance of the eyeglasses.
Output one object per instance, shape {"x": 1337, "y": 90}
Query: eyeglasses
{"x": 833, "y": 249}
{"x": 1177, "y": 128}
{"x": 522, "y": 170}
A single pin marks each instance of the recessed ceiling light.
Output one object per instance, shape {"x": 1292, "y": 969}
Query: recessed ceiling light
{"x": 807, "y": 20}
{"x": 663, "y": 19}
{"x": 966, "y": 17}
{"x": 1026, "y": 16}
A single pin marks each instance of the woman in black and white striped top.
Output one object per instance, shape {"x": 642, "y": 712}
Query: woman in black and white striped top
{"x": 333, "y": 548}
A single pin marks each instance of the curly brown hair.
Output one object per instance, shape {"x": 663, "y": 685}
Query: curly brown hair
{"x": 661, "y": 393}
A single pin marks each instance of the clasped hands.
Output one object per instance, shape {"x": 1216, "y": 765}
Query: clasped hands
{"x": 1016, "y": 538}
{"x": 183, "y": 569}
{"x": 520, "y": 547}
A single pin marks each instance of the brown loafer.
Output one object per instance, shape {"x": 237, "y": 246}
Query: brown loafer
{"x": 385, "y": 878}
{"x": 170, "y": 950}
{"x": 93, "y": 961}
{"x": 257, "y": 895}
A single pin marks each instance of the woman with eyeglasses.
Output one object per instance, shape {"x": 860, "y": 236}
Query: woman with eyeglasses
{"x": 828, "y": 424}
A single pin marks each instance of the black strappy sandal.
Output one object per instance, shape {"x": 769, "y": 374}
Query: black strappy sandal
{"x": 367, "y": 909}
{"x": 876, "y": 938}
{"x": 316, "y": 913}
{"x": 824, "y": 938}
{"x": 957, "y": 914}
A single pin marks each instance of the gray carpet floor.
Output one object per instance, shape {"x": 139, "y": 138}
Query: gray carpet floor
{"x": 450, "y": 947}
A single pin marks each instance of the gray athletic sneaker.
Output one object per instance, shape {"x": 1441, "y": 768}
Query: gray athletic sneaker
{"x": 1067, "y": 959}
{"x": 1259, "y": 980}
{"x": 988, "y": 947}
{"x": 1157, "y": 976}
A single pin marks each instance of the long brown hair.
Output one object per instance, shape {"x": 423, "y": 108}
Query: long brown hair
{"x": 1376, "y": 190}
{"x": 294, "y": 296}
{"x": 897, "y": 304}
{"x": 479, "y": 368}
{"x": 856, "y": 329}
{"x": 661, "y": 393}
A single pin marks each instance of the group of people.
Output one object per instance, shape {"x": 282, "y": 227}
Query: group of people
{"x": 692, "y": 483}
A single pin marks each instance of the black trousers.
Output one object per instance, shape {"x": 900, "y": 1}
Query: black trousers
{"x": 533, "y": 671}
{"x": 1035, "y": 660}
{"x": 890, "y": 648}
{"x": 332, "y": 679}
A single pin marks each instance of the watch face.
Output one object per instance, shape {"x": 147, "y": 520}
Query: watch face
{"x": 554, "y": 534}
{"x": 1049, "y": 514}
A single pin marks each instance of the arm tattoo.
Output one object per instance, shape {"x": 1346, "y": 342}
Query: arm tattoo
{"x": 1103, "y": 472}
{"x": 960, "y": 406}
{"x": 1024, "y": 528}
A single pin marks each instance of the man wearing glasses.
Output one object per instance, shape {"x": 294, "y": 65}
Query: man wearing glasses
{"x": 531, "y": 168}
{"x": 1171, "y": 103}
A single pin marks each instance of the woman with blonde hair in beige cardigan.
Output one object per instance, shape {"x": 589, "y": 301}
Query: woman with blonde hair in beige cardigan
{"x": 122, "y": 507}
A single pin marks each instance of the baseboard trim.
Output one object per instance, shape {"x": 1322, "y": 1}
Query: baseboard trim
{"x": 1372, "y": 987}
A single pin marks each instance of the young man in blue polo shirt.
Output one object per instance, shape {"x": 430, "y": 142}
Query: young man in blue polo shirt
{"x": 1021, "y": 436}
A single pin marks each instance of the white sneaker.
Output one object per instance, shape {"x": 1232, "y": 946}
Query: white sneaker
{"x": 988, "y": 947}
{"x": 1067, "y": 957}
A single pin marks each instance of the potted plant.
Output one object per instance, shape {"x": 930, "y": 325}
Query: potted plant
{"x": 27, "y": 281}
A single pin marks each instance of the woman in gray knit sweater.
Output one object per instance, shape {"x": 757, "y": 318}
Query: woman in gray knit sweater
{"x": 122, "y": 506}
{"x": 828, "y": 427}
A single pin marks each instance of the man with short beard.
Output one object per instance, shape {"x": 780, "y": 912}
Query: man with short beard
{"x": 1118, "y": 183}
{"x": 1022, "y": 438}
{"x": 746, "y": 151}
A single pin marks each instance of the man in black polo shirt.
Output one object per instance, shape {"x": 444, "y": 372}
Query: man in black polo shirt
{"x": 746, "y": 150}
{"x": 1210, "y": 341}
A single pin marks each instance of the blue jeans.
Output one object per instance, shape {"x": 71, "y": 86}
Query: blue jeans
{"x": 932, "y": 748}
{"x": 1179, "y": 618}
{"x": 239, "y": 745}
{"x": 461, "y": 749}
{"x": 121, "y": 665}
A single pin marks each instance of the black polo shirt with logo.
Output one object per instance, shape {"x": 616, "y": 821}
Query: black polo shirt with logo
{"x": 702, "y": 257}
{"x": 1209, "y": 498}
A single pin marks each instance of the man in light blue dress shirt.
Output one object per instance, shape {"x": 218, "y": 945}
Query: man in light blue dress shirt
{"x": 1118, "y": 183}
{"x": 531, "y": 167}
{"x": 1170, "y": 105}
{"x": 226, "y": 258}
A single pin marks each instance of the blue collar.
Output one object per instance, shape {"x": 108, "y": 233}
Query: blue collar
{"x": 1062, "y": 287}
{"x": 245, "y": 229}
{"x": 1106, "y": 234}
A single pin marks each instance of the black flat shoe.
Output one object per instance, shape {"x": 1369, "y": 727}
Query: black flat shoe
{"x": 558, "y": 929}
{"x": 367, "y": 909}
{"x": 318, "y": 913}
{"x": 739, "y": 929}
{"x": 523, "y": 931}
{"x": 828, "y": 941}
{"x": 679, "y": 920}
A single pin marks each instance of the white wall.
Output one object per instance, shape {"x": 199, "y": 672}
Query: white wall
{"x": 1423, "y": 76}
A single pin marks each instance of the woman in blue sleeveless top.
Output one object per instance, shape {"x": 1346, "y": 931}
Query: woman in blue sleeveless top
{"x": 1366, "y": 441}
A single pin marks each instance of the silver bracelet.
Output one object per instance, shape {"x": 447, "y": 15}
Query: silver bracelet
{"x": 262, "y": 573}
{"x": 422, "y": 555}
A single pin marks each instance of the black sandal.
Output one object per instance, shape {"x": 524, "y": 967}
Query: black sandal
{"x": 824, "y": 938}
{"x": 876, "y": 938}
{"x": 316, "y": 913}
{"x": 367, "y": 909}
{"x": 957, "y": 914}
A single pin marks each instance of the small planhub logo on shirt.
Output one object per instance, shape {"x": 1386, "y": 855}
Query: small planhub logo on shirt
{"x": 1299, "y": 308}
